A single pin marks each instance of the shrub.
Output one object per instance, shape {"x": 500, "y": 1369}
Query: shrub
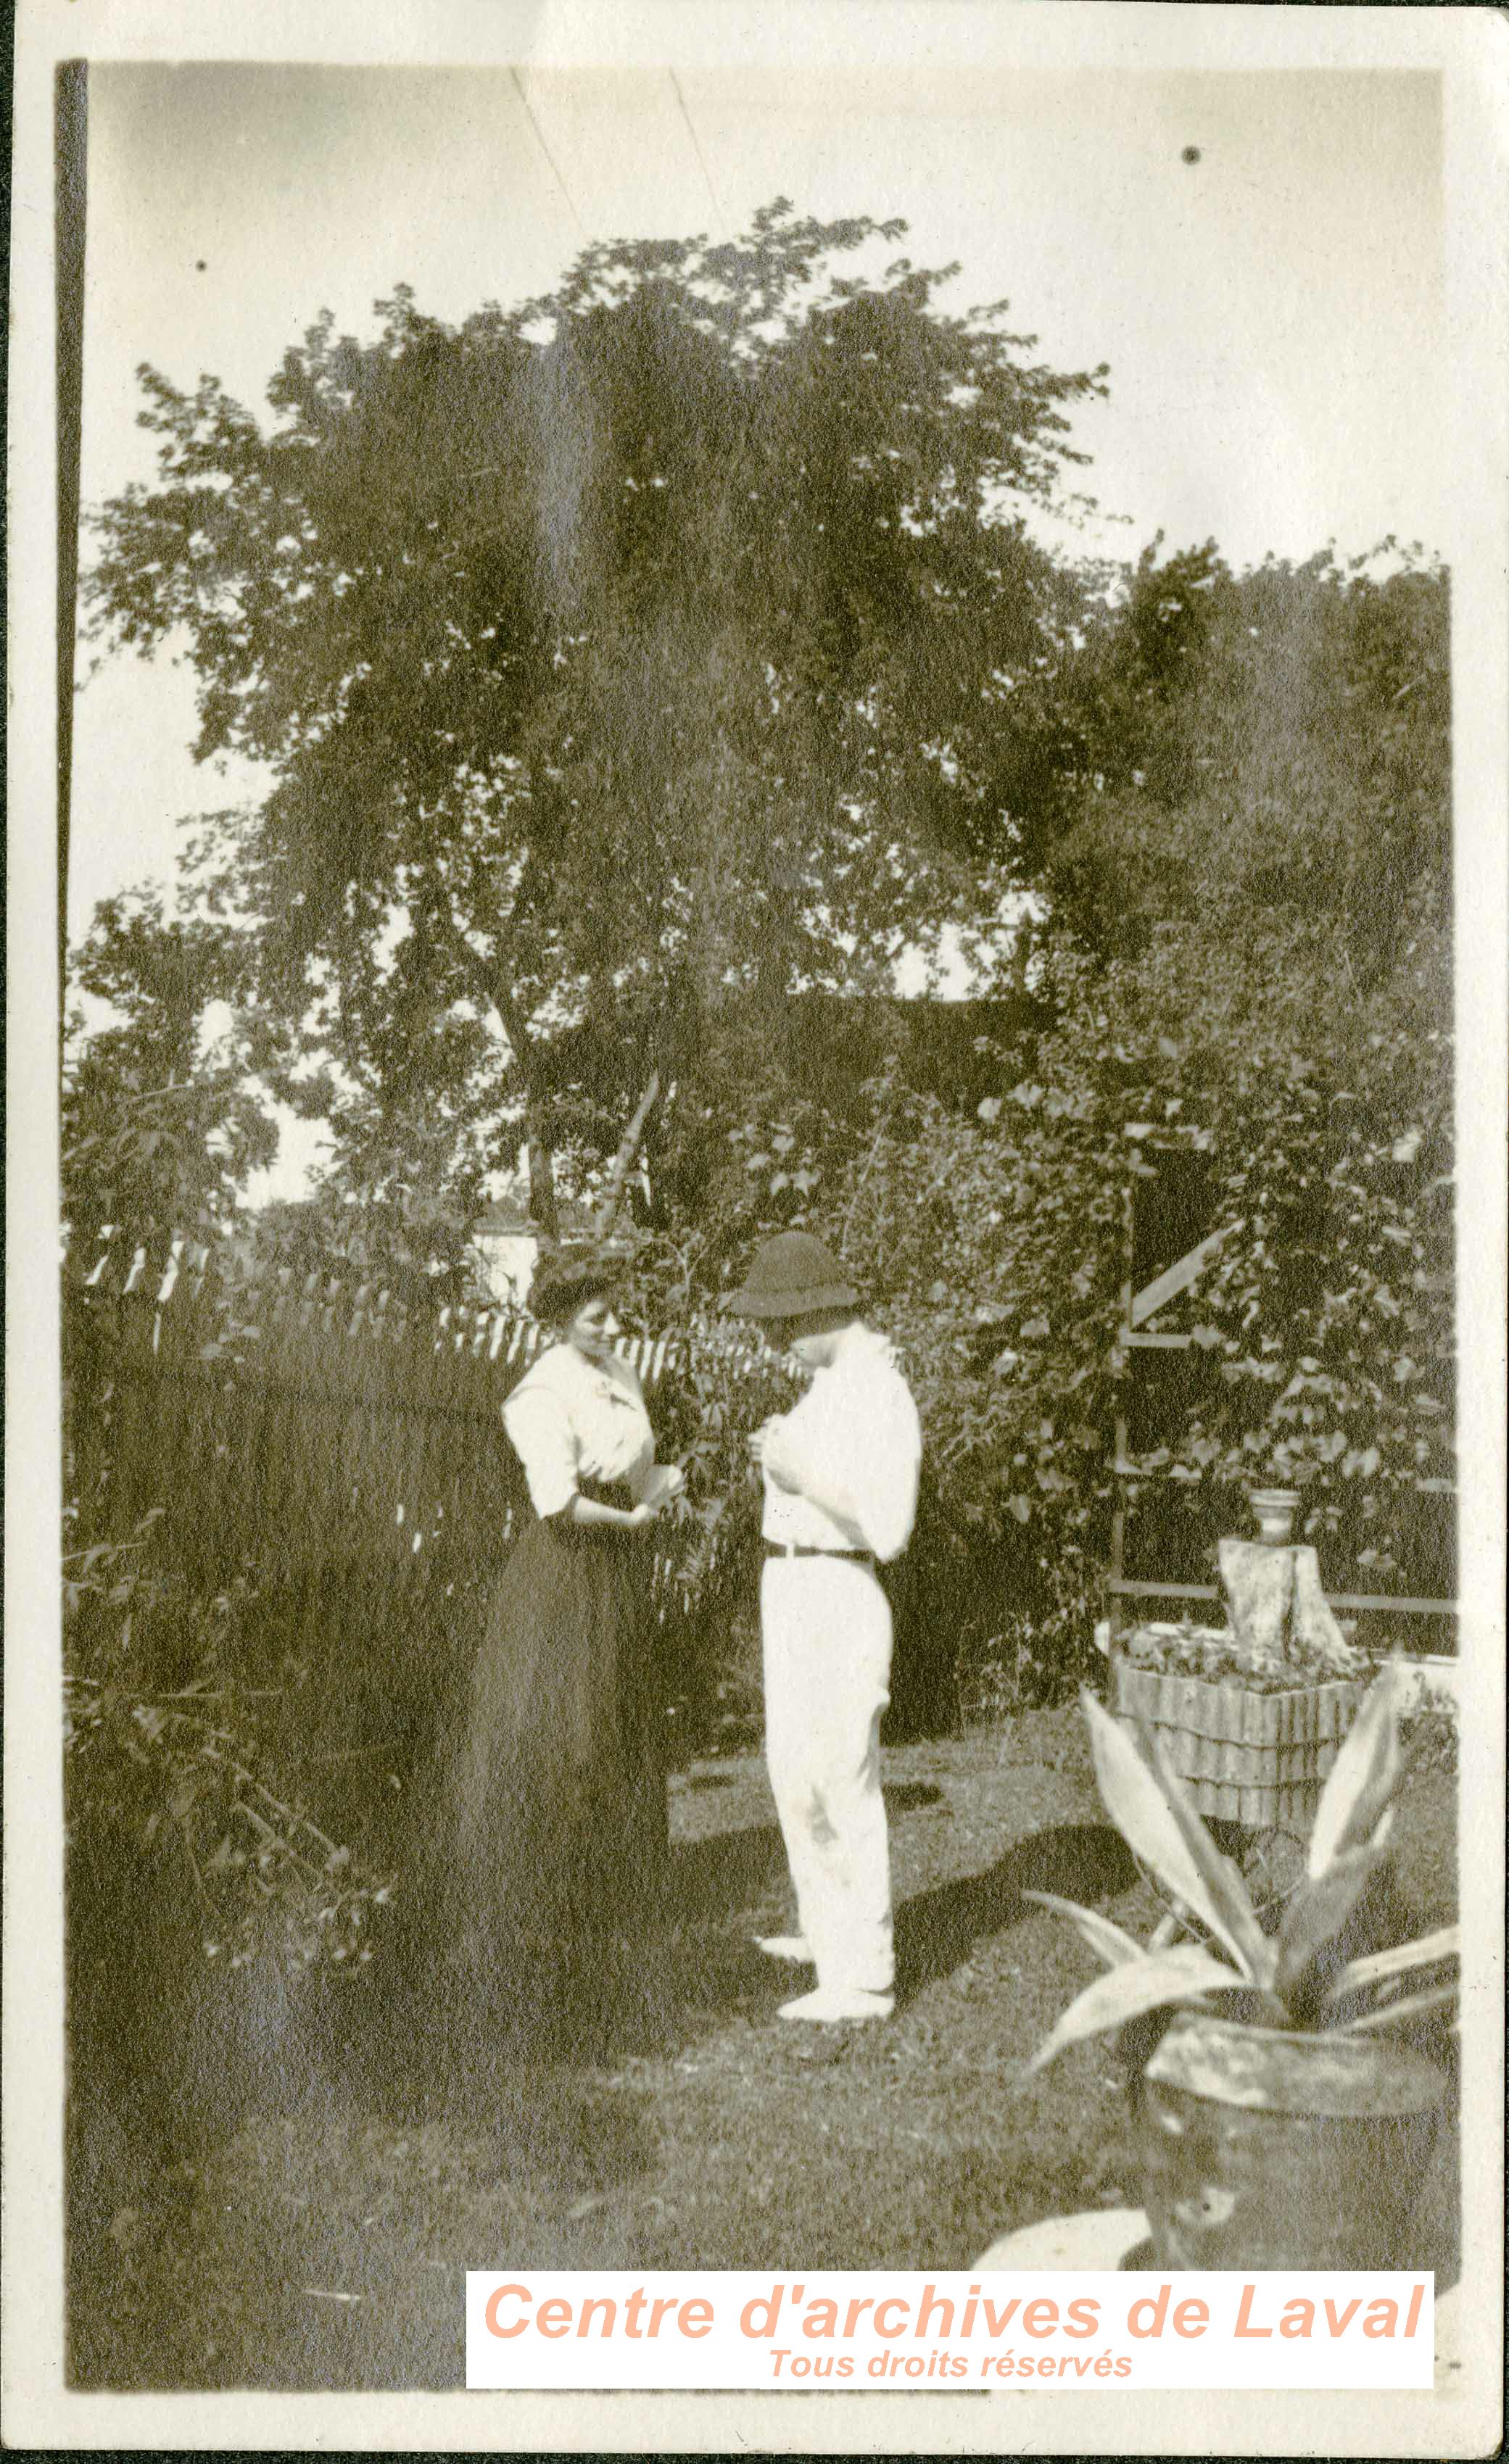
{"x": 171, "y": 1784}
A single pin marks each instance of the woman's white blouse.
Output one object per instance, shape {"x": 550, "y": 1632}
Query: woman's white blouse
{"x": 570, "y": 1420}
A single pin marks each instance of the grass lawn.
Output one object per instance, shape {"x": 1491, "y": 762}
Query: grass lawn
{"x": 656, "y": 2113}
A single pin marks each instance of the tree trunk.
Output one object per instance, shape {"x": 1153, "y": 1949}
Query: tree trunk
{"x": 627, "y": 1149}
{"x": 488, "y": 976}
{"x": 542, "y": 1206}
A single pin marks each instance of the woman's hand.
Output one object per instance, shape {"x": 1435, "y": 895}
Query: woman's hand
{"x": 639, "y": 1516}
{"x": 663, "y": 1481}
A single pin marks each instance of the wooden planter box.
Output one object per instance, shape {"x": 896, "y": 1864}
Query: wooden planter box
{"x": 1261, "y": 1759}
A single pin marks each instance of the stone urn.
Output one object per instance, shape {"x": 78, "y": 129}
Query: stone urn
{"x": 1275, "y": 1509}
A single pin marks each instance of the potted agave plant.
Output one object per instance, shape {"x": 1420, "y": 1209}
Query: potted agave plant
{"x": 1286, "y": 2111}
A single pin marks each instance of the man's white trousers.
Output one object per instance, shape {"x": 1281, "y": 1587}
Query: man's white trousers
{"x": 827, "y": 1633}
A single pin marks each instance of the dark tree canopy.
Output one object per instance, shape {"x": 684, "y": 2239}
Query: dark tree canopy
{"x": 673, "y": 635}
{"x": 1264, "y": 751}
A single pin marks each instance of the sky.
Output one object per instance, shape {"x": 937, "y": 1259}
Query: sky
{"x": 1257, "y": 254}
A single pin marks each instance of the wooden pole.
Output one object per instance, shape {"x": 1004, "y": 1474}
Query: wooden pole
{"x": 70, "y": 138}
{"x": 1119, "y": 1441}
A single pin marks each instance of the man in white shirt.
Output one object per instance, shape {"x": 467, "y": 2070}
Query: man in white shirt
{"x": 840, "y": 1494}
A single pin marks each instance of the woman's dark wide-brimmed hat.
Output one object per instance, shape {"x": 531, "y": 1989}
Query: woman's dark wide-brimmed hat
{"x": 793, "y": 1276}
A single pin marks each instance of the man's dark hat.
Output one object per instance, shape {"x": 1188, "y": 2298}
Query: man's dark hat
{"x": 793, "y": 1276}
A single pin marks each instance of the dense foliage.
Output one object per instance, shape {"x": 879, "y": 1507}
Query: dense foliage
{"x": 173, "y": 1775}
{"x": 1243, "y": 951}
{"x": 160, "y": 1126}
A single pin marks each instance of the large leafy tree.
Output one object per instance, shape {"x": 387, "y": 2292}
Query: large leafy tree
{"x": 649, "y": 649}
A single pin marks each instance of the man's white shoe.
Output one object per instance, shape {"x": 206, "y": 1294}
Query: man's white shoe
{"x": 793, "y": 1947}
{"x": 831, "y": 2005}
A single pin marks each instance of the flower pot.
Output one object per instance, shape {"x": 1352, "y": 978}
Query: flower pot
{"x": 1248, "y": 1757}
{"x": 1262, "y": 2149}
{"x": 1275, "y": 1509}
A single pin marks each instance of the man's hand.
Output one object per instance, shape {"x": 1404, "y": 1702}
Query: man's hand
{"x": 769, "y": 1447}
{"x": 765, "y": 1447}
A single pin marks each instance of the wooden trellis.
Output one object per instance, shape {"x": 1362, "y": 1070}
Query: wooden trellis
{"x": 1167, "y": 1204}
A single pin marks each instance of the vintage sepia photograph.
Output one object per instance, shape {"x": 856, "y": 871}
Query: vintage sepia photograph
{"x": 760, "y": 1464}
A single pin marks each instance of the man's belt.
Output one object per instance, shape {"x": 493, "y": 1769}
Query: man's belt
{"x": 801, "y": 1549}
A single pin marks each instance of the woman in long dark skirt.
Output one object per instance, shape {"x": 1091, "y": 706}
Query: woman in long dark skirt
{"x": 559, "y": 1816}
